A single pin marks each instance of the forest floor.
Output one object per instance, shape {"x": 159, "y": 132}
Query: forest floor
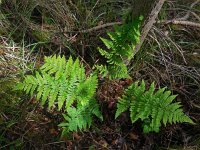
{"x": 170, "y": 56}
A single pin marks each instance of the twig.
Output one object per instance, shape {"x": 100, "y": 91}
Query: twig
{"x": 171, "y": 41}
{"x": 92, "y": 9}
{"x": 95, "y": 28}
{"x": 189, "y": 11}
{"x": 149, "y": 24}
{"x": 181, "y": 22}
{"x": 196, "y": 16}
{"x": 100, "y": 27}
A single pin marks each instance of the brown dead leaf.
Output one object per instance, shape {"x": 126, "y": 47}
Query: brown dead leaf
{"x": 69, "y": 143}
{"x": 76, "y": 136}
{"x": 114, "y": 142}
{"x": 133, "y": 136}
{"x": 103, "y": 143}
{"x": 53, "y": 131}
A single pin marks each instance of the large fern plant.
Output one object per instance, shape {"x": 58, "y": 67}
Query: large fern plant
{"x": 152, "y": 107}
{"x": 65, "y": 83}
{"x": 120, "y": 48}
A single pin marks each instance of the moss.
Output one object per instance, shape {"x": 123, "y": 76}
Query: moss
{"x": 42, "y": 36}
{"x": 8, "y": 96}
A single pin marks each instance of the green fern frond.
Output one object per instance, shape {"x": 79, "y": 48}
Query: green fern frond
{"x": 94, "y": 109}
{"x": 87, "y": 89}
{"x": 118, "y": 71}
{"x": 152, "y": 107}
{"x": 120, "y": 48}
{"x": 103, "y": 70}
{"x": 64, "y": 82}
{"x": 58, "y": 81}
{"x": 122, "y": 106}
{"x": 81, "y": 117}
{"x": 76, "y": 119}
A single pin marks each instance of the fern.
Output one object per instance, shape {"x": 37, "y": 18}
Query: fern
{"x": 152, "y": 107}
{"x": 65, "y": 83}
{"x": 80, "y": 117}
{"x": 120, "y": 48}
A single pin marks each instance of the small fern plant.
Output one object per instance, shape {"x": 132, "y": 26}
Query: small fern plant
{"x": 152, "y": 107}
{"x": 64, "y": 82}
{"x": 120, "y": 48}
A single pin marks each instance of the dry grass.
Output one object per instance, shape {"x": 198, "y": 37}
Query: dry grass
{"x": 14, "y": 59}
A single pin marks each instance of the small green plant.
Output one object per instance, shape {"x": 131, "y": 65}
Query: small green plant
{"x": 65, "y": 83}
{"x": 152, "y": 107}
{"x": 120, "y": 49}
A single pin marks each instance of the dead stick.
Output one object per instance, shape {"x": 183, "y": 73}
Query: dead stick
{"x": 100, "y": 27}
{"x": 149, "y": 24}
{"x": 180, "y": 22}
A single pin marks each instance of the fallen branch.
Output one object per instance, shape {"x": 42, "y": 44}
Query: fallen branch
{"x": 96, "y": 27}
{"x": 147, "y": 27}
{"x": 181, "y": 22}
{"x": 100, "y": 27}
{"x": 149, "y": 24}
